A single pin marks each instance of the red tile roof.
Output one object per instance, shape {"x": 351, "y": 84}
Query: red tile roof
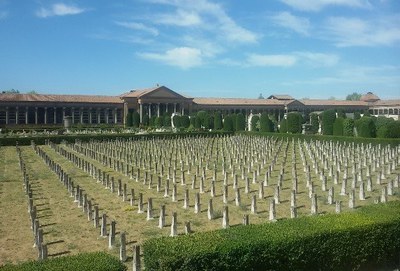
{"x": 236, "y": 101}
{"x": 12, "y": 97}
{"x": 333, "y": 102}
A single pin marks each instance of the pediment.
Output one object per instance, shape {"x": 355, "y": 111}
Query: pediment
{"x": 163, "y": 92}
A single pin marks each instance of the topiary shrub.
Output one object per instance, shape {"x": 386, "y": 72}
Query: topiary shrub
{"x": 129, "y": 120}
{"x": 228, "y": 123}
{"x": 328, "y": 118}
{"x": 240, "y": 122}
{"x": 314, "y": 123}
{"x": 135, "y": 119}
{"x": 145, "y": 120}
{"x": 293, "y": 124}
{"x": 283, "y": 126}
{"x": 366, "y": 127}
{"x": 185, "y": 121}
{"x": 348, "y": 127}
{"x": 217, "y": 121}
{"x": 338, "y": 127}
{"x": 255, "y": 123}
{"x": 266, "y": 124}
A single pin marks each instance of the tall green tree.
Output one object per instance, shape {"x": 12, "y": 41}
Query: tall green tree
{"x": 353, "y": 96}
{"x": 240, "y": 122}
{"x": 217, "y": 121}
{"x": 228, "y": 123}
{"x": 338, "y": 126}
{"x": 294, "y": 121}
{"x": 129, "y": 120}
{"x": 366, "y": 127}
{"x": 314, "y": 123}
{"x": 266, "y": 124}
{"x": 328, "y": 118}
{"x": 255, "y": 123}
{"x": 348, "y": 127}
{"x": 135, "y": 119}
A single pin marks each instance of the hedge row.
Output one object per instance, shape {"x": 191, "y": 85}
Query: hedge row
{"x": 357, "y": 140}
{"x": 40, "y": 140}
{"x": 366, "y": 239}
{"x": 98, "y": 261}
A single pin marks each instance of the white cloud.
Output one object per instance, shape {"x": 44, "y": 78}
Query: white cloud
{"x": 298, "y": 24}
{"x": 318, "y": 59}
{"x": 271, "y": 60}
{"x": 347, "y": 32}
{"x": 182, "y": 57}
{"x": 139, "y": 26}
{"x": 59, "y": 9}
{"x": 316, "y": 5}
{"x": 180, "y": 18}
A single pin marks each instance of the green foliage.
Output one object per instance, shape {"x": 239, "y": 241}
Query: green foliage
{"x": 145, "y": 120}
{"x": 98, "y": 261}
{"x": 314, "y": 123}
{"x": 366, "y": 113}
{"x": 203, "y": 119}
{"x": 255, "y": 123}
{"x": 294, "y": 121}
{"x": 228, "y": 123}
{"x": 129, "y": 119}
{"x": 368, "y": 238}
{"x": 387, "y": 127}
{"x": 353, "y": 97}
{"x": 167, "y": 121}
{"x": 340, "y": 113}
{"x": 135, "y": 119}
{"x": 283, "y": 126}
{"x": 240, "y": 122}
{"x": 152, "y": 121}
{"x": 328, "y": 118}
{"x": 234, "y": 121}
{"x": 266, "y": 124}
{"x": 348, "y": 127}
{"x": 338, "y": 126}
{"x": 159, "y": 122}
{"x": 192, "y": 121}
{"x": 366, "y": 127}
{"x": 185, "y": 121}
{"x": 217, "y": 121}
{"x": 357, "y": 115}
{"x": 177, "y": 121}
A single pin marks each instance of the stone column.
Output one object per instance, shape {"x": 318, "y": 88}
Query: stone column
{"x": 73, "y": 115}
{"x": 26, "y": 114}
{"x": 81, "y": 114}
{"x": 174, "y": 107}
{"x": 45, "y": 115}
{"x": 115, "y": 115}
{"x": 90, "y": 115}
{"x": 63, "y": 114}
{"x": 98, "y": 115}
{"x": 183, "y": 109}
{"x": 16, "y": 114}
{"x": 166, "y": 107}
{"x": 158, "y": 110}
{"x": 149, "y": 110}
{"x": 55, "y": 115}
{"x": 141, "y": 112}
{"x": 7, "y": 116}
{"x": 106, "y": 114}
{"x": 36, "y": 115}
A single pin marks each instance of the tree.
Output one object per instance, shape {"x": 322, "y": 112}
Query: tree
{"x": 283, "y": 126}
{"x": 32, "y": 92}
{"x": 228, "y": 123}
{"x": 217, "y": 121}
{"x": 240, "y": 122}
{"x": 353, "y": 97}
{"x": 338, "y": 126}
{"x": 255, "y": 123}
{"x": 314, "y": 123}
{"x": 348, "y": 127}
{"x": 328, "y": 118}
{"x": 204, "y": 119}
{"x": 234, "y": 121}
{"x": 185, "y": 121}
{"x": 129, "y": 120}
{"x": 294, "y": 120}
{"x": 135, "y": 119}
{"x": 266, "y": 124}
{"x": 11, "y": 91}
{"x": 366, "y": 127}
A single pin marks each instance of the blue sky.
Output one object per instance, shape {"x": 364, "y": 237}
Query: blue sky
{"x": 202, "y": 48}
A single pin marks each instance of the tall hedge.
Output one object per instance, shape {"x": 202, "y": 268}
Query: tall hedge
{"x": 266, "y": 124}
{"x": 283, "y": 126}
{"x": 328, "y": 118}
{"x": 314, "y": 123}
{"x": 338, "y": 126}
{"x": 348, "y": 127}
{"x": 176, "y": 120}
{"x": 255, "y": 122}
{"x": 240, "y": 122}
{"x": 368, "y": 238}
{"x": 135, "y": 119}
{"x": 145, "y": 120}
{"x": 167, "y": 121}
{"x": 129, "y": 120}
{"x": 294, "y": 120}
{"x": 366, "y": 127}
{"x": 185, "y": 121}
{"x": 234, "y": 116}
{"x": 228, "y": 123}
{"x": 159, "y": 122}
{"x": 217, "y": 121}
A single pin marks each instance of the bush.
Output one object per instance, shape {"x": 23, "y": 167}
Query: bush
{"x": 294, "y": 120}
{"x": 283, "y": 126}
{"x": 129, "y": 120}
{"x": 234, "y": 121}
{"x": 167, "y": 121}
{"x": 240, "y": 122}
{"x": 314, "y": 123}
{"x": 98, "y": 261}
{"x": 159, "y": 122}
{"x": 145, "y": 120}
{"x": 185, "y": 121}
{"x": 217, "y": 121}
{"x": 368, "y": 238}
{"x": 204, "y": 119}
{"x": 177, "y": 121}
{"x": 255, "y": 123}
{"x": 338, "y": 127}
{"x": 357, "y": 115}
{"x": 266, "y": 124}
{"x": 348, "y": 127}
{"x": 135, "y": 119}
{"x": 328, "y": 118}
{"x": 366, "y": 127}
{"x": 228, "y": 123}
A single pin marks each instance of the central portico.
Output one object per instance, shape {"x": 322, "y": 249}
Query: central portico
{"x": 156, "y": 101}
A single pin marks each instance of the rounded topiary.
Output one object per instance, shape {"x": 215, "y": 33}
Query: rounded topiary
{"x": 240, "y": 122}
{"x": 294, "y": 120}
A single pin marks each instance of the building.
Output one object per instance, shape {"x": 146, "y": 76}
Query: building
{"x": 44, "y": 109}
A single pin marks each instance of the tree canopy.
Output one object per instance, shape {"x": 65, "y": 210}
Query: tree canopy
{"x": 353, "y": 96}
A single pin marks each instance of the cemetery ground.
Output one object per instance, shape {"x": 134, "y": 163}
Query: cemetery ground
{"x": 262, "y": 179}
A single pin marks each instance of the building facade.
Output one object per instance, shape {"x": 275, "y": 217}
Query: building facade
{"x": 43, "y": 109}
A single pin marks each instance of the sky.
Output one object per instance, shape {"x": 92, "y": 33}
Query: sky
{"x": 202, "y": 48}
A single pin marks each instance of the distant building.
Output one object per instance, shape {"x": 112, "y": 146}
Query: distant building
{"x": 39, "y": 109}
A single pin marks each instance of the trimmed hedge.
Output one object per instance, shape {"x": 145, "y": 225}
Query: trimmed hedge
{"x": 328, "y": 118}
{"x": 338, "y": 127}
{"x": 98, "y": 261}
{"x": 367, "y": 238}
{"x": 40, "y": 140}
{"x": 294, "y": 120}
